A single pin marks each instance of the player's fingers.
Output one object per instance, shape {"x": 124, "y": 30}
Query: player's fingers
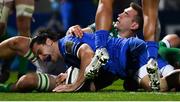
{"x": 61, "y": 78}
{"x": 80, "y": 32}
{"x": 56, "y": 88}
{"x": 74, "y": 32}
{"x": 77, "y": 31}
{"x": 59, "y": 88}
{"x": 69, "y": 32}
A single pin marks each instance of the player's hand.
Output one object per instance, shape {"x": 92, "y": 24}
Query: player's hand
{"x": 61, "y": 78}
{"x": 65, "y": 88}
{"x": 75, "y": 30}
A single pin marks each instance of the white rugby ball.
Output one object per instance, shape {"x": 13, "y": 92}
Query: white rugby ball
{"x": 72, "y": 76}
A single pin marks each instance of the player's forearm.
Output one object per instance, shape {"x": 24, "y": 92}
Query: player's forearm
{"x": 88, "y": 30}
{"x": 85, "y": 55}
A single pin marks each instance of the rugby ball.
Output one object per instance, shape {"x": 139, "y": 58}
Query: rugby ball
{"x": 72, "y": 75}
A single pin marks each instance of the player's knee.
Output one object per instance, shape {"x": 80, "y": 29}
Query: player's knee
{"x": 87, "y": 51}
{"x": 24, "y": 10}
{"x": 27, "y": 82}
{"x": 89, "y": 54}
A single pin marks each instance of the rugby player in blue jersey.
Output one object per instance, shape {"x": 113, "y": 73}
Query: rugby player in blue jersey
{"x": 130, "y": 24}
{"x": 103, "y": 25}
{"x": 128, "y": 57}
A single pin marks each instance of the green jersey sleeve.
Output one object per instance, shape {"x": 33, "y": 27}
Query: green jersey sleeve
{"x": 113, "y": 31}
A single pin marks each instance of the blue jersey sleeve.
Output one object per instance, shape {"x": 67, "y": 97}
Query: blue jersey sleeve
{"x": 68, "y": 48}
{"x": 72, "y": 47}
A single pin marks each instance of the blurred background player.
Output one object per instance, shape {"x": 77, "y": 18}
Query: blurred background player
{"x": 68, "y": 8}
{"x": 24, "y": 10}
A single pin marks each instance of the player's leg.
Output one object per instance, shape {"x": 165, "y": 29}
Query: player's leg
{"x": 150, "y": 13}
{"x": 103, "y": 24}
{"x": 164, "y": 72}
{"x": 143, "y": 78}
{"x": 104, "y": 15}
{"x": 42, "y": 82}
{"x": 5, "y": 8}
{"x": 145, "y": 84}
{"x": 173, "y": 80}
{"x": 30, "y": 82}
{"x": 100, "y": 58}
{"x": 24, "y": 11}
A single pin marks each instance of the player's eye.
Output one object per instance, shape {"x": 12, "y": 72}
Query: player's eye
{"x": 126, "y": 13}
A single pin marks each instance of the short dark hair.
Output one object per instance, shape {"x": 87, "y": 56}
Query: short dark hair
{"x": 41, "y": 36}
{"x": 139, "y": 17}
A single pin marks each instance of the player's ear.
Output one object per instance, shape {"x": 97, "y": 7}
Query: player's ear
{"x": 134, "y": 26}
{"x": 49, "y": 41}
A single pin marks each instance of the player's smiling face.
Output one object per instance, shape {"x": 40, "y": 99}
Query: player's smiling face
{"x": 45, "y": 52}
{"x": 125, "y": 20}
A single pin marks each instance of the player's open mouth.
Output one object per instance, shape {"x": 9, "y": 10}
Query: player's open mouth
{"x": 47, "y": 59}
{"x": 118, "y": 21}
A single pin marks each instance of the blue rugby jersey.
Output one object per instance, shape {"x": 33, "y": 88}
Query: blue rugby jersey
{"x": 126, "y": 54}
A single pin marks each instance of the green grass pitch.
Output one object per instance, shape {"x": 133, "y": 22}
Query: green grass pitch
{"x": 114, "y": 92}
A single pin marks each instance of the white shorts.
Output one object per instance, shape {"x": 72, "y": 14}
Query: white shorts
{"x": 142, "y": 72}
